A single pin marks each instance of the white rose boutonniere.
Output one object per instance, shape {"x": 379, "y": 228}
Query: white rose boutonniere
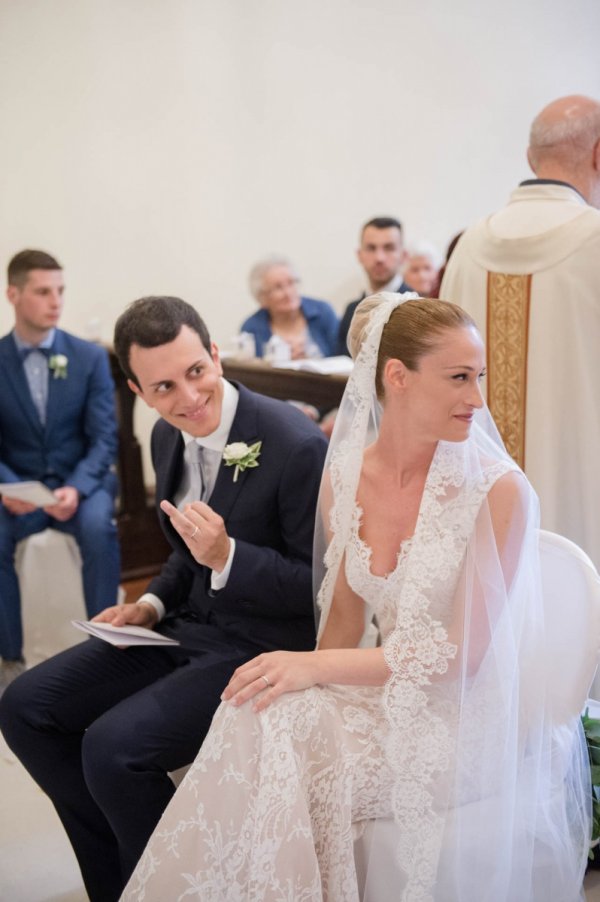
{"x": 241, "y": 456}
{"x": 58, "y": 365}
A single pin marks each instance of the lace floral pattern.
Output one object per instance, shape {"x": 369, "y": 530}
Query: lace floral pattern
{"x": 272, "y": 802}
{"x": 269, "y": 809}
{"x": 420, "y": 743}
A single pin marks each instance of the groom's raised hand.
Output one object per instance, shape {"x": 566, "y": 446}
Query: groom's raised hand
{"x": 203, "y": 531}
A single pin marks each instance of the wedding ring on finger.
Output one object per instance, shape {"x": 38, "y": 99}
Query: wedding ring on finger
{"x": 196, "y": 529}
{"x": 266, "y": 679}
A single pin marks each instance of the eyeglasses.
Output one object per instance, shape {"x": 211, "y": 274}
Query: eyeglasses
{"x": 281, "y": 287}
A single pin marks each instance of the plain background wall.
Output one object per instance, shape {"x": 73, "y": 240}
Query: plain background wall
{"x": 161, "y": 146}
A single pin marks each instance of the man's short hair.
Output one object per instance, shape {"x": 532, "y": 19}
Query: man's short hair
{"x": 22, "y": 263}
{"x": 153, "y": 321}
{"x": 382, "y": 222}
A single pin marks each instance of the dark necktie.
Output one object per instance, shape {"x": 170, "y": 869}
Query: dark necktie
{"x": 25, "y": 352}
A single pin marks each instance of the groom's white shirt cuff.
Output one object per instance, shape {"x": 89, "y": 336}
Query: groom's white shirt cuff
{"x": 217, "y": 581}
{"x": 155, "y": 602}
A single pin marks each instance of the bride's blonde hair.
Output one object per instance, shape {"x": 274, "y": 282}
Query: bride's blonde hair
{"x": 410, "y": 332}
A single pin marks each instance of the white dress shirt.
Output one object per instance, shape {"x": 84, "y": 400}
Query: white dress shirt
{"x": 394, "y": 284}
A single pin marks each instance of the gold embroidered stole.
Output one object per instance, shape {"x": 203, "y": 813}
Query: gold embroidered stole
{"x": 508, "y": 299}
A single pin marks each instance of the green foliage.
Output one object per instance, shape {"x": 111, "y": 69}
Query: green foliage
{"x": 591, "y": 728}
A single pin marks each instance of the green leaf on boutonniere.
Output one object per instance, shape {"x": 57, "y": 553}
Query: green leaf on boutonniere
{"x": 241, "y": 456}
{"x": 58, "y": 364}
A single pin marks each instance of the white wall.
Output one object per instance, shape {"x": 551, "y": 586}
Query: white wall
{"x": 161, "y": 146}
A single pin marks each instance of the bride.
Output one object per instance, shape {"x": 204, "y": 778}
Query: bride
{"x": 429, "y": 758}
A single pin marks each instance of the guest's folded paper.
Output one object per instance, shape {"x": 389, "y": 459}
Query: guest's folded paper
{"x": 123, "y": 636}
{"x": 33, "y": 492}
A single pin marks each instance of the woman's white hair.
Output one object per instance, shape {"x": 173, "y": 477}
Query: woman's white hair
{"x": 425, "y": 249}
{"x": 262, "y": 267}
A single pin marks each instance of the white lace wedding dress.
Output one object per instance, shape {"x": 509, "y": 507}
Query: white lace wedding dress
{"x": 270, "y": 809}
{"x": 485, "y": 793}
{"x": 267, "y": 810}
{"x": 460, "y": 764}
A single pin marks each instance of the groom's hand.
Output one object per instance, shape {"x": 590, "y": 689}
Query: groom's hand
{"x": 120, "y": 614}
{"x": 203, "y": 531}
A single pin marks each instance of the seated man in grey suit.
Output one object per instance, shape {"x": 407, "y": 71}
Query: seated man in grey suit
{"x": 98, "y": 727}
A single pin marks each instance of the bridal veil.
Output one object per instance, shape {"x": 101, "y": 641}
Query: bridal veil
{"x": 491, "y": 797}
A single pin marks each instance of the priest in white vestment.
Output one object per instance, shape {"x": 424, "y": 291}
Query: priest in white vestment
{"x": 530, "y": 276}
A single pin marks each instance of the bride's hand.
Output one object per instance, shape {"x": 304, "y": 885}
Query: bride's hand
{"x": 270, "y": 675}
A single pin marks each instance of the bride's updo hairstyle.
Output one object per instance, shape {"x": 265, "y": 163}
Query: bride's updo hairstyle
{"x": 410, "y": 332}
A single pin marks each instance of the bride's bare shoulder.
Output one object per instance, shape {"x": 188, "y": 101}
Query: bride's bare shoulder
{"x": 509, "y": 500}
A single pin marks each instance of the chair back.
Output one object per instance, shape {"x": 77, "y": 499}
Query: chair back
{"x": 571, "y": 586}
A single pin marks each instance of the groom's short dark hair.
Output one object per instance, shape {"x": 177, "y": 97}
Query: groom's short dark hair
{"x": 153, "y": 321}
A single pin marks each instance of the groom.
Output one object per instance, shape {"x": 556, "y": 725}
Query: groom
{"x": 98, "y": 727}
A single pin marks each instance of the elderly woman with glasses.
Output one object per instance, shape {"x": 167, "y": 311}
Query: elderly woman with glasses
{"x": 310, "y": 327}
{"x": 421, "y": 269}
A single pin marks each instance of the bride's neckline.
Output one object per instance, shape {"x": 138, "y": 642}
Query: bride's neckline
{"x": 400, "y": 554}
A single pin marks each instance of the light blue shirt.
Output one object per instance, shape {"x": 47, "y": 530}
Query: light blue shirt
{"x": 36, "y": 371}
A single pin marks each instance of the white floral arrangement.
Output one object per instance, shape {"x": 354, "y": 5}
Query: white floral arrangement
{"x": 58, "y": 365}
{"x": 241, "y": 456}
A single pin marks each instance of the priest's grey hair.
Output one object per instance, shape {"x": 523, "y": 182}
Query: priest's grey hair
{"x": 570, "y": 136}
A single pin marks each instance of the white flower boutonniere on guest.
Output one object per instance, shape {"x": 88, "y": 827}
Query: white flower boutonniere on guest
{"x": 241, "y": 456}
{"x": 58, "y": 365}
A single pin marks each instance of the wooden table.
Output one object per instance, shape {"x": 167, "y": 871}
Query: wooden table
{"x": 287, "y": 385}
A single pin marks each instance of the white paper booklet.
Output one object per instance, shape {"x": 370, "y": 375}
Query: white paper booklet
{"x": 327, "y": 366}
{"x": 123, "y": 636}
{"x": 32, "y": 492}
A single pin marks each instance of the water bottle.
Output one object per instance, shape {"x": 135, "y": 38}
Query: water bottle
{"x": 277, "y": 350}
{"x": 244, "y": 346}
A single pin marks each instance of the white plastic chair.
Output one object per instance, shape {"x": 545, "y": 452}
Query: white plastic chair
{"x": 48, "y": 565}
{"x": 571, "y": 586}
{"x": 572, "y": 606}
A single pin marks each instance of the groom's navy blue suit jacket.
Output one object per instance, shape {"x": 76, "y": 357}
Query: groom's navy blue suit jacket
{"x": 269, "y": 511}
{"x": 78, "y": 443}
